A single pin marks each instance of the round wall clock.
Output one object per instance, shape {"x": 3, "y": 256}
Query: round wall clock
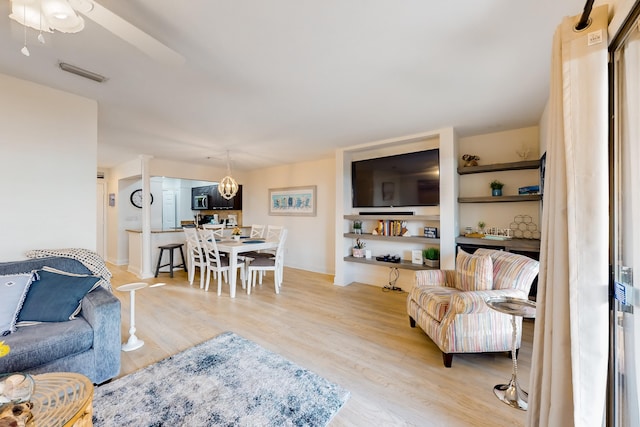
{"x": 136, "y": 198}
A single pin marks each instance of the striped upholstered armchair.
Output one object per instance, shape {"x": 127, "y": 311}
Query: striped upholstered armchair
{"x": 450, "y": 305}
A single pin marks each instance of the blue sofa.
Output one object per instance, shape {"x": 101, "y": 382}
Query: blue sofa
{"x": 90, "y": 344}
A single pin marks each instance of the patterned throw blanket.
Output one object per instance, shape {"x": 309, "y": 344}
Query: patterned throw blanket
{"x": 89, "y": 259}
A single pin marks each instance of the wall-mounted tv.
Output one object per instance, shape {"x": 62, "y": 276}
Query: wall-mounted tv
{"x": 411, "y": 179}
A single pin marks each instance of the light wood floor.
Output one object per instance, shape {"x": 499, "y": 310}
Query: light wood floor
{"x": 356, "y": 336}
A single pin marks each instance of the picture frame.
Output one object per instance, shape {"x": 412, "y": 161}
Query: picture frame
{"x": 431, "y": 232}
{"x": 293, "y": 201}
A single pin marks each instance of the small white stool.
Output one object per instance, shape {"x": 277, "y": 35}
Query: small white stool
{"x": 133, "y": 343}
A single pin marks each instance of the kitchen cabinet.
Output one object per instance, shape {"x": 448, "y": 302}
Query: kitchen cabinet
{"x": 219, "y": 202}
{"x": 214, "y": 201}
{"x": 200, "y": 198}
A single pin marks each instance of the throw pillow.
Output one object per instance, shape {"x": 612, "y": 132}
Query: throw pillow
{"x": 473, "y": 272}
{"x": 55, "y": 297}
{"x": 13, "y": 289}
{"x": 66, "y": 273}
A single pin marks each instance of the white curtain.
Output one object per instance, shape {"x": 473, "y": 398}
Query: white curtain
{"x": 570, "y": 349}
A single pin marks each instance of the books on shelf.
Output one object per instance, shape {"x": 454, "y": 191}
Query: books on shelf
{"x": 391, "y": 228}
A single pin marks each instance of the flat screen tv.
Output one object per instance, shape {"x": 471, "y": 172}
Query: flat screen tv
{"x": 411, "y": 179}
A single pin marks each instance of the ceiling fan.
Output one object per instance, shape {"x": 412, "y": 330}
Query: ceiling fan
{"x": 61, "y": 15}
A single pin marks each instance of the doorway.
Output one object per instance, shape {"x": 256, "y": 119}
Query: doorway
{"x": 624, "y": 398}
{"x": 101, "y": 201}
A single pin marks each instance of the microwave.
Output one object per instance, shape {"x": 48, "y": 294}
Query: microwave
{"x": 200, "y": 202}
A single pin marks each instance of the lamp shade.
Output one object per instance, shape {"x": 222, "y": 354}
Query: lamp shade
{"x": 47, "y": 15}
{"x": 228, "y": 187}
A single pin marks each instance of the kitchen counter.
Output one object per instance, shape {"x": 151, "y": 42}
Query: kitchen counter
{"x": 159, "y": 237}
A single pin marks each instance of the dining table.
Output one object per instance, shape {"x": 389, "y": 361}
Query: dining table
{"x": 233, "y": 248}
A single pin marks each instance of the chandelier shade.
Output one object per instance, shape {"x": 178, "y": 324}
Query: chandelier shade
{"x": 228, "y": 187}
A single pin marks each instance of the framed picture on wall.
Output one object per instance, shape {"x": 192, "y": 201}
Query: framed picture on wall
{"x": 296, "y": 201}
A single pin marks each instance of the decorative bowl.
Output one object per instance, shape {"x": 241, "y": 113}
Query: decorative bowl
{"x": 16, "y": 387}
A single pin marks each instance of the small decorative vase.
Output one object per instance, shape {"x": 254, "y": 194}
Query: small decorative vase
{"x": 358, "y": 253}
{"x": 236, "y": 238}
{"x": 496, "y": 192}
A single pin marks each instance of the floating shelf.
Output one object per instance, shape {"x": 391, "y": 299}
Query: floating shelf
{"x": 527, "y": 164}
{"x": 411, "y": 239}
{"x": 391, "y": 216}
{"x": 501, "y": 199}
{"x": 406, "y": 265}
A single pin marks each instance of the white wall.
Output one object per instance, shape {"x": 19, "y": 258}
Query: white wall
{"x": 48, "y": 154}
{"x": 311, "y": 239}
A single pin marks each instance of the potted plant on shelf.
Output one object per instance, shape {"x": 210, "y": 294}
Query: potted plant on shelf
{"x": 431, "y": 257}
{"x": 357, "y": 226}
{"x": 496, "y": 187}
{"x": 358, "y": 249}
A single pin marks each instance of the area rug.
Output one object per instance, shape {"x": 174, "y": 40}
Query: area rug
{"x": 226, "y": 381}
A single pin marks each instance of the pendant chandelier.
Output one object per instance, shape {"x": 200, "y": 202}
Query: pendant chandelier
{"x": 228, "y": 187}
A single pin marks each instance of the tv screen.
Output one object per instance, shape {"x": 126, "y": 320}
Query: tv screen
{"x": 411, "y": 179}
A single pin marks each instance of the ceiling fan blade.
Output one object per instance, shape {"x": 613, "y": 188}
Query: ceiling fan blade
{"x": 133, "y": 35}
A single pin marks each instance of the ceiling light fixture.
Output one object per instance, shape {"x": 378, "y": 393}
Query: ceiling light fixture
{"x": 228, "y": 187}
{"x": 50, "y": 15}
{"x": 82, "y": 72}
{"x": 25, "y": 49}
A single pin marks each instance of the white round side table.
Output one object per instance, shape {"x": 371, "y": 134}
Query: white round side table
{"x": 133, "y": 343}
{"x": 512, "y": 394}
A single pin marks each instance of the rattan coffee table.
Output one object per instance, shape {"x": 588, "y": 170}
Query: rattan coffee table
{"x": 62, "y": 399}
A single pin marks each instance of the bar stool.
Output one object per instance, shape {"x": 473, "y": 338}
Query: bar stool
{"x": 170, "y": 247}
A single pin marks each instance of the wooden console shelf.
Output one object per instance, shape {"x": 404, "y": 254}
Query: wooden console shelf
{"x": 510, "y": 245}
{"x": 406, "y": 265}
{"x": 412, "y": 239}
{"x": 501, "y": 199}
{"x": 527, "y": 164}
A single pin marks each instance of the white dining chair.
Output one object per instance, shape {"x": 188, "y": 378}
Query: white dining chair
{"x": 218, "y": 229}
{"x": 216, "y": 264}
{"x": 274, "y": 232}
{"x": 257, "y": 231}
{"x": 258, "y": 266}
{"x": 195, "y": 255}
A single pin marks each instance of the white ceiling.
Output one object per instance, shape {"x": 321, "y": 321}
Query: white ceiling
{"x": 280, "y": 81}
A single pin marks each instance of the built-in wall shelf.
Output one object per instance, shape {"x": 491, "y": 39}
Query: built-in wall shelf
{"x": 411, "y": 239}
{"x": 496, "y": 167}
{"x": 406, "y": 265}
{"x": 501, "y": 199}
{"x": 390, "y": 216}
